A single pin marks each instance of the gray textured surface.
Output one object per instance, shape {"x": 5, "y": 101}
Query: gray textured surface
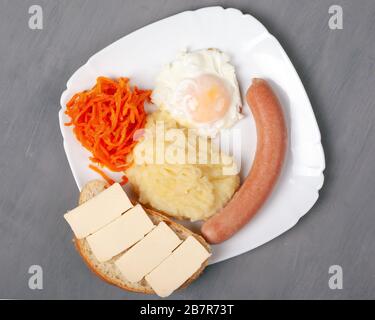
{"x": 337, "y": 69}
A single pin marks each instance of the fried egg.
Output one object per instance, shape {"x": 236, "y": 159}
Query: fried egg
{"x": 199, "y": 89}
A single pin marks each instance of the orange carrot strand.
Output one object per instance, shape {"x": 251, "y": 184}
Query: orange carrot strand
{"x": 104, "y": 120}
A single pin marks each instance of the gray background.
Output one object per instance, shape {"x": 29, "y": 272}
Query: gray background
{"x": 37, "y": 187}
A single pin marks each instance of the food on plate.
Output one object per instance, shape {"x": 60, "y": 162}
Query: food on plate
{"x": 175, "y": 167}
{"x": 88, "y": 218}
{"x": 120, "y": 234}
{"x": 187, "y": 258}
{"x": 161, "y": 241}
{"x": 186, "y": 190}
{"x": 146, "y": 253}
{"x": 104, "y": 120}
{"x": 200, "y": 90}
{"x": 266, "y": 168}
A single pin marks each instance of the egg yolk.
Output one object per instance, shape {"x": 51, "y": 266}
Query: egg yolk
{"x": 209, "y": 98}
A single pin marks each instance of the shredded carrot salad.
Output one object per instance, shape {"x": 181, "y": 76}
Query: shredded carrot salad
{"x": 105, "y": 120}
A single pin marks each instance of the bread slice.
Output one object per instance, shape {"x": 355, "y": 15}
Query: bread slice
{"x": 108, "y": 271}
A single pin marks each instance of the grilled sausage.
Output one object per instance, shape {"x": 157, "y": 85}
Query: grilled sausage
{"x": 266, "y": 168}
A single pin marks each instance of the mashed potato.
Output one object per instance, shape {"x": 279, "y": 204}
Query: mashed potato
{"x": 174, "y": 185}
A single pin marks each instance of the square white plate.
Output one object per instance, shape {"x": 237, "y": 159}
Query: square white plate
{"x": 254, "y": 53}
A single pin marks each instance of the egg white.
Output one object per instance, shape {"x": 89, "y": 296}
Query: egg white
{"x": 181, "y": 72}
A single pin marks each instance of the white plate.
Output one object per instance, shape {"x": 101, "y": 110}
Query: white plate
{"x": 255, "y": 53}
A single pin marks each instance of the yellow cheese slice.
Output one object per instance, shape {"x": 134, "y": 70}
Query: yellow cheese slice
{"x": 120, "y": 234}
{"x": 148, "y": 253}
{"x": 98, "y": 211}
{"x": 178, "y": 267}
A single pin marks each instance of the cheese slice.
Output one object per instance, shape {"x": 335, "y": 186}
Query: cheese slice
{"x": 178, "y": 267}
{"x": 98, "y": 211}
{"x": 120, "y": 234}
{"x": 148, "y": 253}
